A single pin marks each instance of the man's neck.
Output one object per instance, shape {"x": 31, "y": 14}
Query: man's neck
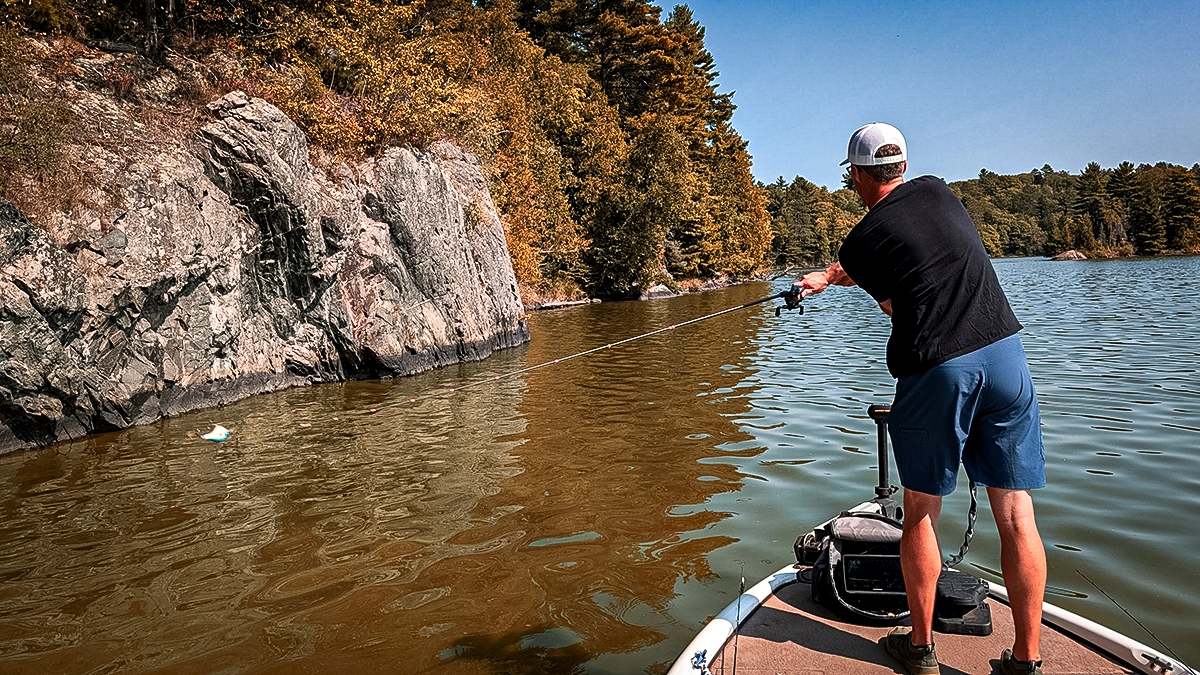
{"x": 876, "y": 195}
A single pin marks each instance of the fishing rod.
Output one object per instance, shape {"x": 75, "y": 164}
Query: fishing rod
{"x": 737, "y": 626}
{"x": 791, "y": 299}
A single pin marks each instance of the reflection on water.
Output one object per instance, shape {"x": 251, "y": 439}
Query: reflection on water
{"x": 527, "y": 526}
{"x": 153, "y": 548}
{"x": 587, "y": 517}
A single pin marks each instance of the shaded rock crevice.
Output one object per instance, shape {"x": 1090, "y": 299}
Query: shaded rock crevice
{"x": 235, "y": 267}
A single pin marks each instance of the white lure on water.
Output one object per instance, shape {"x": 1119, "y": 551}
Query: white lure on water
{"x": 218, "y": 434}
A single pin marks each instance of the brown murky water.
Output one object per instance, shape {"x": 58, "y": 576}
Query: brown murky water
{"x": 587, "y": 517}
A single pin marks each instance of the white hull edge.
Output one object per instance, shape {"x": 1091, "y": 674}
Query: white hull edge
{"x": 713, "y": 637}
{"x": 1124, "y": 648}
{"x": 709, "y": 641}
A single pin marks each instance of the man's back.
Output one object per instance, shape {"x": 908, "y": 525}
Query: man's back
{"x": 919, "y": 249}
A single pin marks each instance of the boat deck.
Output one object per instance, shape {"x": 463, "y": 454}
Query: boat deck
{"x": 770, "y": 643}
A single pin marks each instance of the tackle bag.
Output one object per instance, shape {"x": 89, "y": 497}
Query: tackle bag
{"x": 856, "y": 572}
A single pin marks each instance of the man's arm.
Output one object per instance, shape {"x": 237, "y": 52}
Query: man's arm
{"x": 834, "y": 275}
{"x": 816, "y": 282}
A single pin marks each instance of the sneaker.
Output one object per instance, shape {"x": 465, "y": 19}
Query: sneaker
{"x": 916, "y": 660}
{"x": 1010, "y": 665}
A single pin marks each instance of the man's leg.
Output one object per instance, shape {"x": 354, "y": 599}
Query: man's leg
{"x": 1023, "y": 562}
{"x": 921, "y": 560}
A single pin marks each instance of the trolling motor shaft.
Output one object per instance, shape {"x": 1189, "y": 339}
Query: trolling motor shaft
{"x": 880, "y": 413}
{"x": 883, "y": 488}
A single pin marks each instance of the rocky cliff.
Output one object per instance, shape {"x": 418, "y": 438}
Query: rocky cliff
{"x": 234, "y": 267}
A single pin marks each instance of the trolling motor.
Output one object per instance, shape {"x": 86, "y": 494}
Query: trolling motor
{"x": 791, "y": 300}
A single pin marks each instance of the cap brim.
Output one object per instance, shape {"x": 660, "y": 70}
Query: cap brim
{"x": 845, "y": 162}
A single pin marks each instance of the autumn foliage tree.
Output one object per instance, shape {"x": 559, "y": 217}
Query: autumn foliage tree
{"x": 609, "y": 151}
{"x": 687, "y": 205}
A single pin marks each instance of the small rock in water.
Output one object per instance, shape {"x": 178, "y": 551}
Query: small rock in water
{"x": 218, "y": 434}
{"x": 1070, "y": 255}
{"x": 305, "y": 425}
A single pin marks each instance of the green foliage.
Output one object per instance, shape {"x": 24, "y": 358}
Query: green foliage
{"x": 1181, "y": 209}
{"x": 808, "y": 222}
{"x": 1145, "y": 224}
{"x": 1100, "y": 212}
{"x": 685, "y": 206}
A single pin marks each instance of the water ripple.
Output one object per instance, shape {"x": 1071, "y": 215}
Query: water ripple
{"x": 586, "y": 517}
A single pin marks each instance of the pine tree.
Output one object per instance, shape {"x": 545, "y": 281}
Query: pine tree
{"x": 797, "y": 240}
{"x": 1146, "y": 230}
{"x": 1092, "y": 207}
{"x": 1122, "y": 183}
{"x": 687, "y": 191}
{"x": 1181, "y": 210}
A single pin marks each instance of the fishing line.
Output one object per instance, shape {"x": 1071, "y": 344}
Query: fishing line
{"x": 1135, "y": 619}
{"x": 790, "y": 297}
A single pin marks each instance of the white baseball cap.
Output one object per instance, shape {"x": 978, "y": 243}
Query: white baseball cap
{"x": 867, "y": 139}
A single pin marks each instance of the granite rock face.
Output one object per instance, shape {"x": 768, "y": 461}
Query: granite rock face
{"x": 234, "y": 267}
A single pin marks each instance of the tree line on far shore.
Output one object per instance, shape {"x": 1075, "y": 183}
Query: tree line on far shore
{"x": 1102, "y": 213}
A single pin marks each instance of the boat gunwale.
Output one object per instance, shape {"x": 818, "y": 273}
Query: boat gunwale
{"x": 1124, "y": 649}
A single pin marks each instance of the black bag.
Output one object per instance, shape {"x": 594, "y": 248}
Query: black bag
{"x": 857, "y": 572}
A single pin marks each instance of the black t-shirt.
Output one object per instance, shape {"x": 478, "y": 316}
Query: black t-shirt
{"x": 919, "y": 248}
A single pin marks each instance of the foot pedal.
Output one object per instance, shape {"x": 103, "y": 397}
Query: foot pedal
{"x": 961, "y": 607}
{"x": 975, "y": 622}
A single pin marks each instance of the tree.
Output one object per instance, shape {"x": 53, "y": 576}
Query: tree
{"x": 687, "y": 193}
{"x": 795, "y": 237}
{"x": 1093, "y": 208}
{"x": 1146, "y": 230}
{"x": 744, "y": 228}
{"x": 1181, "y": 210}
{"x": 1122, "y": 183}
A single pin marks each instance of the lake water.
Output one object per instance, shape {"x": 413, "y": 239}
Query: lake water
{"x": 588, "y": 517}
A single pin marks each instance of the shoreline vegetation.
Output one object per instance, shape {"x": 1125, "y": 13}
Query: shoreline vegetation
{"x": 1125, "y": 211}
{"x": 599, "y": 127}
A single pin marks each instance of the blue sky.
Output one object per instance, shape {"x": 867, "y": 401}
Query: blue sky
{"x": 1007, "y": 86}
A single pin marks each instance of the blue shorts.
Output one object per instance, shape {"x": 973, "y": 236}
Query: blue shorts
{"x": 978, "y": 409}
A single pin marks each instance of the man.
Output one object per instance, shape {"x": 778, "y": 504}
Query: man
{"x": 963, "y": 391}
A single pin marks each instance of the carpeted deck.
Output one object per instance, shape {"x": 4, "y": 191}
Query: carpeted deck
{"x": 791, "y": 635}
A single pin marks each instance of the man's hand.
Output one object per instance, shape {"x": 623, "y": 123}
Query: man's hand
{"x": 816, "y": 282}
